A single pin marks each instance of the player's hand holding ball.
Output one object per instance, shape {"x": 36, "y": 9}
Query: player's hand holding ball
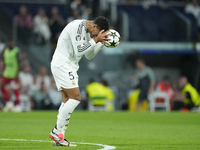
{"x": 102, "y": 37}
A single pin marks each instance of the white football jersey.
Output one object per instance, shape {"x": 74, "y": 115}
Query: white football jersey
{"x": 73, "y": 43}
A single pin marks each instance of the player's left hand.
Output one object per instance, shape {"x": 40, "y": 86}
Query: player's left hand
{"x": 102, "y": 37}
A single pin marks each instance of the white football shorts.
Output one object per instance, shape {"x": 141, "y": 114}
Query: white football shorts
{"x": 65, "y": 76}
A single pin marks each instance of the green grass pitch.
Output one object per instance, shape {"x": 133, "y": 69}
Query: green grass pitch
{"x": 124, "y": 130}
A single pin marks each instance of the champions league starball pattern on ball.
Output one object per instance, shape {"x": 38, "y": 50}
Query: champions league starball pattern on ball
{"x": 114, "y": 39}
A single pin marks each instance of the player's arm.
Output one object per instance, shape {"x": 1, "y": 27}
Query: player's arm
{"x": 89, "y": 55}
{"x": 81, "y": 47}
{"x": 152, "y": 80}
{"x": 100, "y": 38}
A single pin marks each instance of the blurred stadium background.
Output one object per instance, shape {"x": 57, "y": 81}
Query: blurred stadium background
{"x": 160, "y": 31}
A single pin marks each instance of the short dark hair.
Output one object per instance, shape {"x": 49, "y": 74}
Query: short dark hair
{"x": 102, "y": 23}
{"x": 104, "y": 82}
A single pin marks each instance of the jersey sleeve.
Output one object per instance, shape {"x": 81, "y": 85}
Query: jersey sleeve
{"x": 89, "y": 55}
{"x": 151, "y": 74}
{"x": 80, "y": 45}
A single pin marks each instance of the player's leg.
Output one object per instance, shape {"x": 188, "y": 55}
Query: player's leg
{"x": 71, "y": 99}
{"x": 142, "y": 96}
{"x": 17, "y": 107}
{"x": 5, "y": 93}
{"x": 9, "y": 105}
{"x": 67, "y": 81}
{"x": 139, "y": 103}
{"x": 73, "y": 94}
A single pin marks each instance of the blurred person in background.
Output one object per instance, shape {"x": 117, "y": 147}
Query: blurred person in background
{"x": 188, "y": 98}
{"x": 146, "y": 78}
{"x": 24, "y": 23}
{"x": 110, "y": 96}
{"x": 10, "y": 76}
{"x": 34, "y": 87}
{"x": 165, "y": 86}
{"x": 43, "y": 77}
{"x": 79, "y": 10}
{"x": 80, "y": 5}
{"x": 41, "y": 27}
{"x": 56, "y": 23}
{"x": 75, "y": 15}
{"x": 26, "y": 80}
{"x": 40, "y": 98}
{"x": 96, "y": 96}
{"x": 23, "y": 60}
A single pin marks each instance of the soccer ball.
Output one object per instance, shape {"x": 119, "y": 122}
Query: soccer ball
{"x": 114, "y": 39}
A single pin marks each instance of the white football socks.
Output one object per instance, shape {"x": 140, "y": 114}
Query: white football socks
{"x": 64, "y": 114}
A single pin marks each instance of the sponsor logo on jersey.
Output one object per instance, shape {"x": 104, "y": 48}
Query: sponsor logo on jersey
{"x": 78, "y": 38}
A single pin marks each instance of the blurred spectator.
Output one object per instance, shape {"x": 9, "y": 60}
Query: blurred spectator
{"x": 34, "y": 86}
{"x": 42, "y": 77}
{"x": 193, "y": 8}
{"x": 24, "y": 23}
{"x": 109, "y": 96}
{"x": 79, "y": 10}
{"x": 2, "y": 46}
{"x": 165, "y": 86}
{"x": 188, "y": 98}
{"x": 23, "y": 60}
{"x": 41, "y": 26}
{"x": 56, "y": 23}
{"x": 96, "y": 96}
{"x": 54, "y": 95}
{"x": 40, "y": 98}
{"x": 78, "y": 4}
{"x": 75, "y": 15}
{"x": 26, "y": 80}
{"x": 87, "y": 13}
{"x": 10, "y": 76}
{"x": 146, "y": 78}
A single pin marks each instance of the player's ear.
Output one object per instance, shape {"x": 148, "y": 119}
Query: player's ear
{"x": 94, "y": 26}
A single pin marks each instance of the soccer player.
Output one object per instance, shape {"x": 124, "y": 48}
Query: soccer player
{"x": 78, "y": 38}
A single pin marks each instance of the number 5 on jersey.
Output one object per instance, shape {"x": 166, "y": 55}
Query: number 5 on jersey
{"x": 71, "y": 76}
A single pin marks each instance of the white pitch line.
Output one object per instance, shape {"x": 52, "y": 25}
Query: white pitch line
{"x": 105, "y": 147}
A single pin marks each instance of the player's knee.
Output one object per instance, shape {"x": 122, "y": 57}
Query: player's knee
{"x": 77, "y": 97}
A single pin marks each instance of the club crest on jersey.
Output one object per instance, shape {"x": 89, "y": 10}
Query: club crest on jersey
{"x": 78, "y": 38}
{"x": 73, "y": 83}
